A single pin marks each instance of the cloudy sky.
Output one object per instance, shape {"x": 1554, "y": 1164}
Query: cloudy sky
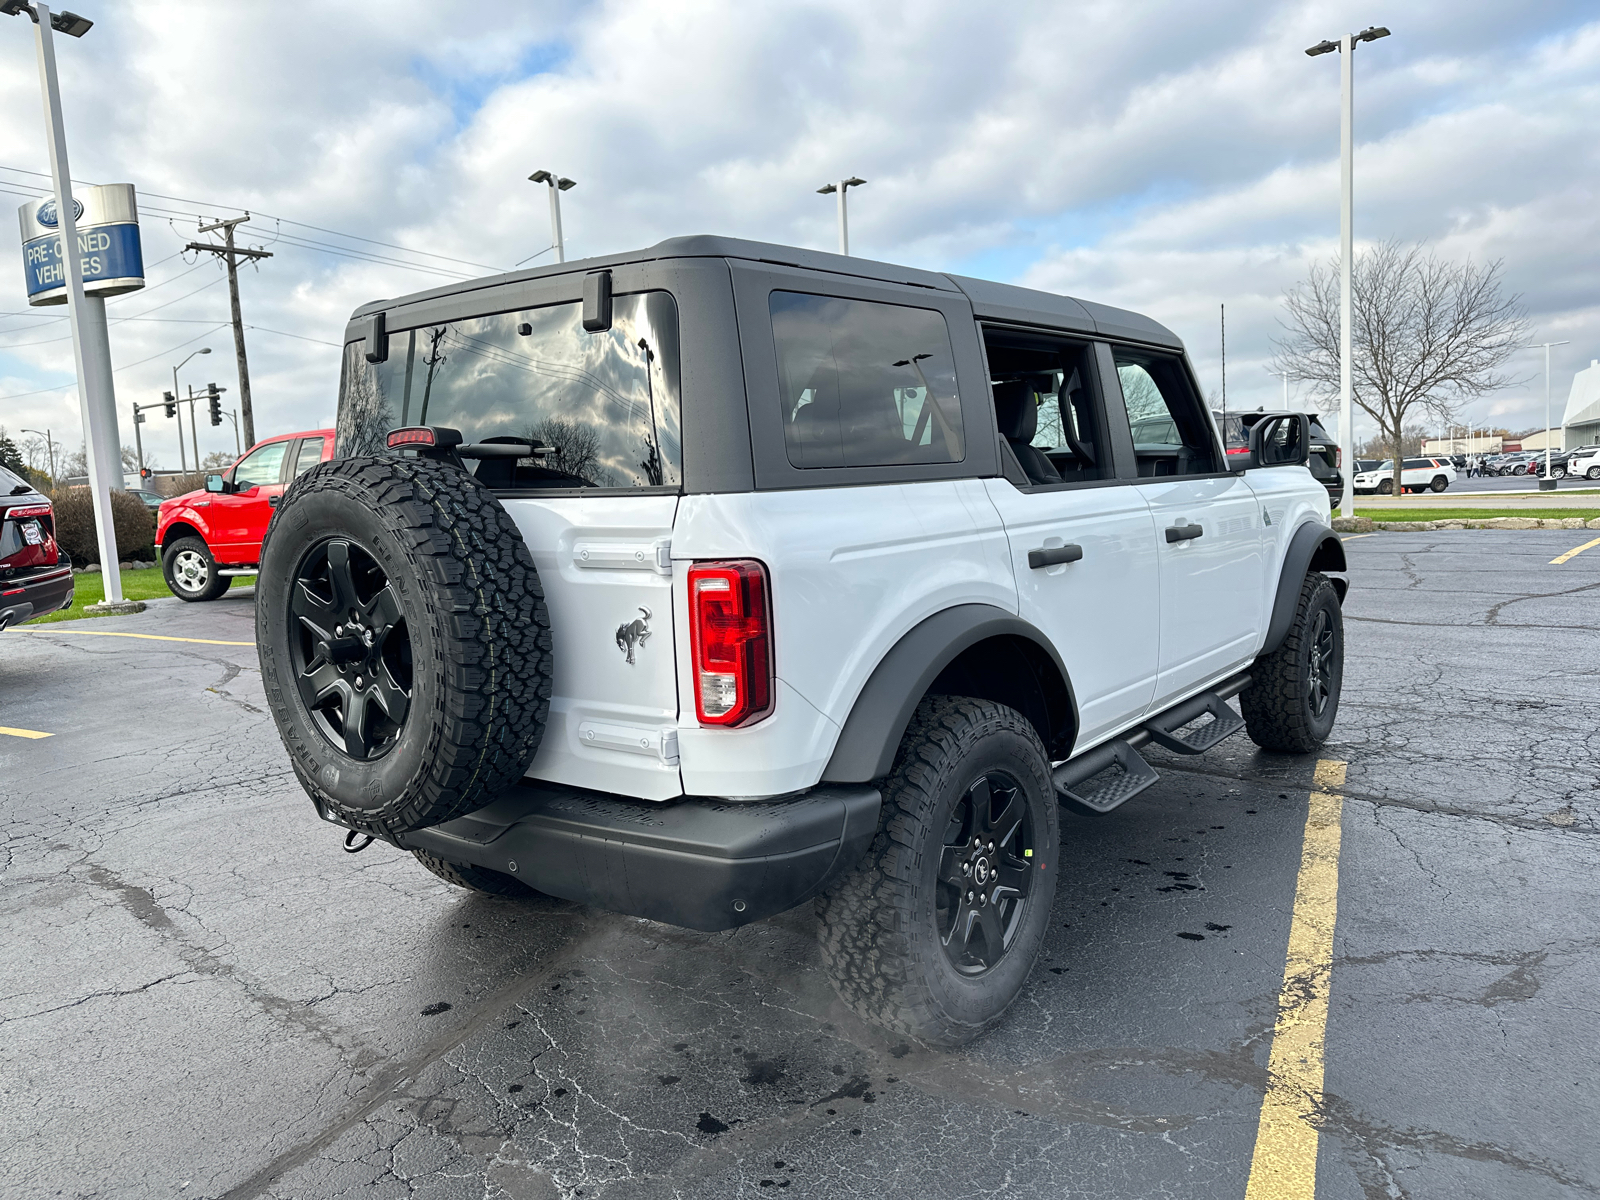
{"x": 1164, "y": 157}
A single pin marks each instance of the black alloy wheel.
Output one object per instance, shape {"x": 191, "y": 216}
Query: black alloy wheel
{"x": 349, "y": 648}
{"x": 1320, "y": 672}
{"x": 984, "y": 875}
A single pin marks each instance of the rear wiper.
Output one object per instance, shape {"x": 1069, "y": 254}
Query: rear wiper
{"x": 21, "y": 489}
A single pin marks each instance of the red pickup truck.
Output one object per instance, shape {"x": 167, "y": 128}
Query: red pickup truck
{"x": 208, "y": 536}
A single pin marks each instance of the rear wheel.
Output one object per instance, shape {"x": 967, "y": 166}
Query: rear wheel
{"x": 190, "y": 570}
{"x": 934, "y": 932}
{"x": 474, "y": 879}
{"x": 1293, "y": 695}
{"x": 1593, "y": 472}
{"x": 1439, "y": 483}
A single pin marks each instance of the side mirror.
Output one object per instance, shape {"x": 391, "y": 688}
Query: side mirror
{"x": 1280, "y": 440}
{"x": 216, "y": 484}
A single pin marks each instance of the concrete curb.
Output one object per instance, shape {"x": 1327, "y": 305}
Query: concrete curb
{"x": 1366, "y": 525}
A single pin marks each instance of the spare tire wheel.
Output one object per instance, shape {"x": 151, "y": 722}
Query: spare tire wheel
{"x": 404, "y": 642}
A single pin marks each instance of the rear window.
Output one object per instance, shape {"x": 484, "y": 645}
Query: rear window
{"x": 9, "y": 483}
{"x": 607, "y": 403}
{"x": 864, "y": 384}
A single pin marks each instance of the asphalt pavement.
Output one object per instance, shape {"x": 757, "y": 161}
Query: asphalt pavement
{"x": 205, "y": 997}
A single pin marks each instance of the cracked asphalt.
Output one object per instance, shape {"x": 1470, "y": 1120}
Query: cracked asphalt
{"x": 202, "y": 996}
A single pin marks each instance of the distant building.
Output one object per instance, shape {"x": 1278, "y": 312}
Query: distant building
{"x": 1482, "y": 444}
{"x": 1580, "y": 424}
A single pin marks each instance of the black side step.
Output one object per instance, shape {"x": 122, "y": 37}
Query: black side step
{"x": 1097, "y": 782}
{"x": 1164, "y": 728}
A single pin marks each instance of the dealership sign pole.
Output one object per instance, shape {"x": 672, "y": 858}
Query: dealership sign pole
{"x": 55, "y": 264}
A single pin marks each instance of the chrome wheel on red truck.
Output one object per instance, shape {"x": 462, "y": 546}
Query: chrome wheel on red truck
{"x": 404, "y": 642}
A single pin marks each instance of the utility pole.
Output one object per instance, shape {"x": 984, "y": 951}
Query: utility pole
{"x": 844, "y": 216}
{"x": 231, "y": 253}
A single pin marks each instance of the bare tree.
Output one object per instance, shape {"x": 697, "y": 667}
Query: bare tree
{"x": 1427, "y": 335}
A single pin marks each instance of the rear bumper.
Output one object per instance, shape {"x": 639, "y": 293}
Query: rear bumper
{"x": 698, "y": 863}
{"x": 28, "y": 596}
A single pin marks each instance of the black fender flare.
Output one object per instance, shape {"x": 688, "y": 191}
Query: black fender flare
{"x": 1313, "y": 547}
{"x": 871, "y": 734}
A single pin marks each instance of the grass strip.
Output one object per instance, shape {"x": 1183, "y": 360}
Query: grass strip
{"x": 90, "y": 588}
{"x": 1472, "y": 514}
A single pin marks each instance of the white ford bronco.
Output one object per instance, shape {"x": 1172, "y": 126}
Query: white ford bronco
{"x": 704, "y": 581}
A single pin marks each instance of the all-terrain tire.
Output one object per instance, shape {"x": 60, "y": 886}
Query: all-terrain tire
{"x": 880, "y": 935}
{"x": 1281, "y": 706}
{"x": 476, "y": 654}
{"x": 474, "y": 879}
{"x": 190, "y": 570}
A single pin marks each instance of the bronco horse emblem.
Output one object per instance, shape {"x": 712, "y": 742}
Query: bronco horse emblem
{"x": 633, "y": 634}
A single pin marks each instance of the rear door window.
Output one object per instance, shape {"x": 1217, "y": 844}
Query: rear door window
{"x": 865, "y": 384}
{"x": 605, "y": 404}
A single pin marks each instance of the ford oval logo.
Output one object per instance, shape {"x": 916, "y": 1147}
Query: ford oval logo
{"x": 47, "y": 212}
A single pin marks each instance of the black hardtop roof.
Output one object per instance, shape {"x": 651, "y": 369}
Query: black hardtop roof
{"x": 990, "y": 301}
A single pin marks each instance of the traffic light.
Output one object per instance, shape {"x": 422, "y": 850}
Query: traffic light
{"x": 214, "y": 399}
{"x": 169, "y": 402}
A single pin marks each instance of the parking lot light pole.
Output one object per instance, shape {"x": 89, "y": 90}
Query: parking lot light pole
{"x": 90, "y": 354}
{"x": 841, "y": 187}
{"x": 178, "y": 408}
{"x": 50, "y": 452}
{"x": 558, "y": 184}
{"x": 1548, "y": 483}
{"x": 1346, "y": 47}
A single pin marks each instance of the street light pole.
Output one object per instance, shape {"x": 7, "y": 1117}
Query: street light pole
{"x": 1548, "y": 483}
{"x": 50, "y": 452}
{"x": 177, "y": 409}
{"x": 1346, "y": 47}
{"x": 844, "y": 216}
{"x": 558, "y": 184}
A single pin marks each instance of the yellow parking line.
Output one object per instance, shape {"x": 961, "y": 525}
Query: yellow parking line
{"x": 1574, "y": 552}
{"x": 1355, "y": 536}
{"x": 152, "y": 637}
{"x": 27, "y": 733}
{"x": 1284, "y": 1166}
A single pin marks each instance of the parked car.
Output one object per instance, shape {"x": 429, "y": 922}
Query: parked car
{"x": 1323, "y": 459}
{"x": 208, "y": 536}
{"x": 152, "y": 500}
{"x": 728, "y": 577}
{"x": 35, "y": 573}
{"x": 1417, "y": 475}
{"x": 1587, "y": 466}
{"x": 1558, "y": 461}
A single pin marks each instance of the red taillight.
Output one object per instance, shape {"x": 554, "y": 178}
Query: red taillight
{"x": 32, "y": 510}
{"x": 730, "y": 638}
{"x": 414, "y": 435}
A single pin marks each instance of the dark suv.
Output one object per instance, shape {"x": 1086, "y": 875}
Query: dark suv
{"x": 1323, "y": 458}
{"x": 35, "y": 574}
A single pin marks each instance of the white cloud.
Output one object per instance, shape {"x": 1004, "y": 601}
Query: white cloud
{"x": 1165, "y": 157}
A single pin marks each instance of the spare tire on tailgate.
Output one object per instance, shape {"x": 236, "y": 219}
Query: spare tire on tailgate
{"x": 404, "y": 641}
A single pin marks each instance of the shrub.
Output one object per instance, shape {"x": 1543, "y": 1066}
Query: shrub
{"x": 135, "y": 526}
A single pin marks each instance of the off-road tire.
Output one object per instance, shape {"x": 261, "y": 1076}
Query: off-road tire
{"x": 479, "y": 640}
{"x": 475, "y": 879}
{"x": 879, "y": 939}
{"x": 213, "y": 584}
{"x": 1278, "y": 706}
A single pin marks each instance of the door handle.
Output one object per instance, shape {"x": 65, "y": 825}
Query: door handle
{"x": 1182, "y": 533}
{"x": 1053, "y": 556}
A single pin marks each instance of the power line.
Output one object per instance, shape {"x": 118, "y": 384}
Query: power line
{"x": 162, "y": 354}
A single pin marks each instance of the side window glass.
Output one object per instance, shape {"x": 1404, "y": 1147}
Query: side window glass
{"x": 864, "y": 384}
{"x": 1171, "y": 435}
{"x": 1047, "y": 408}
{"x": 262, "y": 468}
{"x": 310, "y": 455}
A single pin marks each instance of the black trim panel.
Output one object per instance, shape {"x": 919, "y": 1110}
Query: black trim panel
{"x": 1310, "y": 539}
